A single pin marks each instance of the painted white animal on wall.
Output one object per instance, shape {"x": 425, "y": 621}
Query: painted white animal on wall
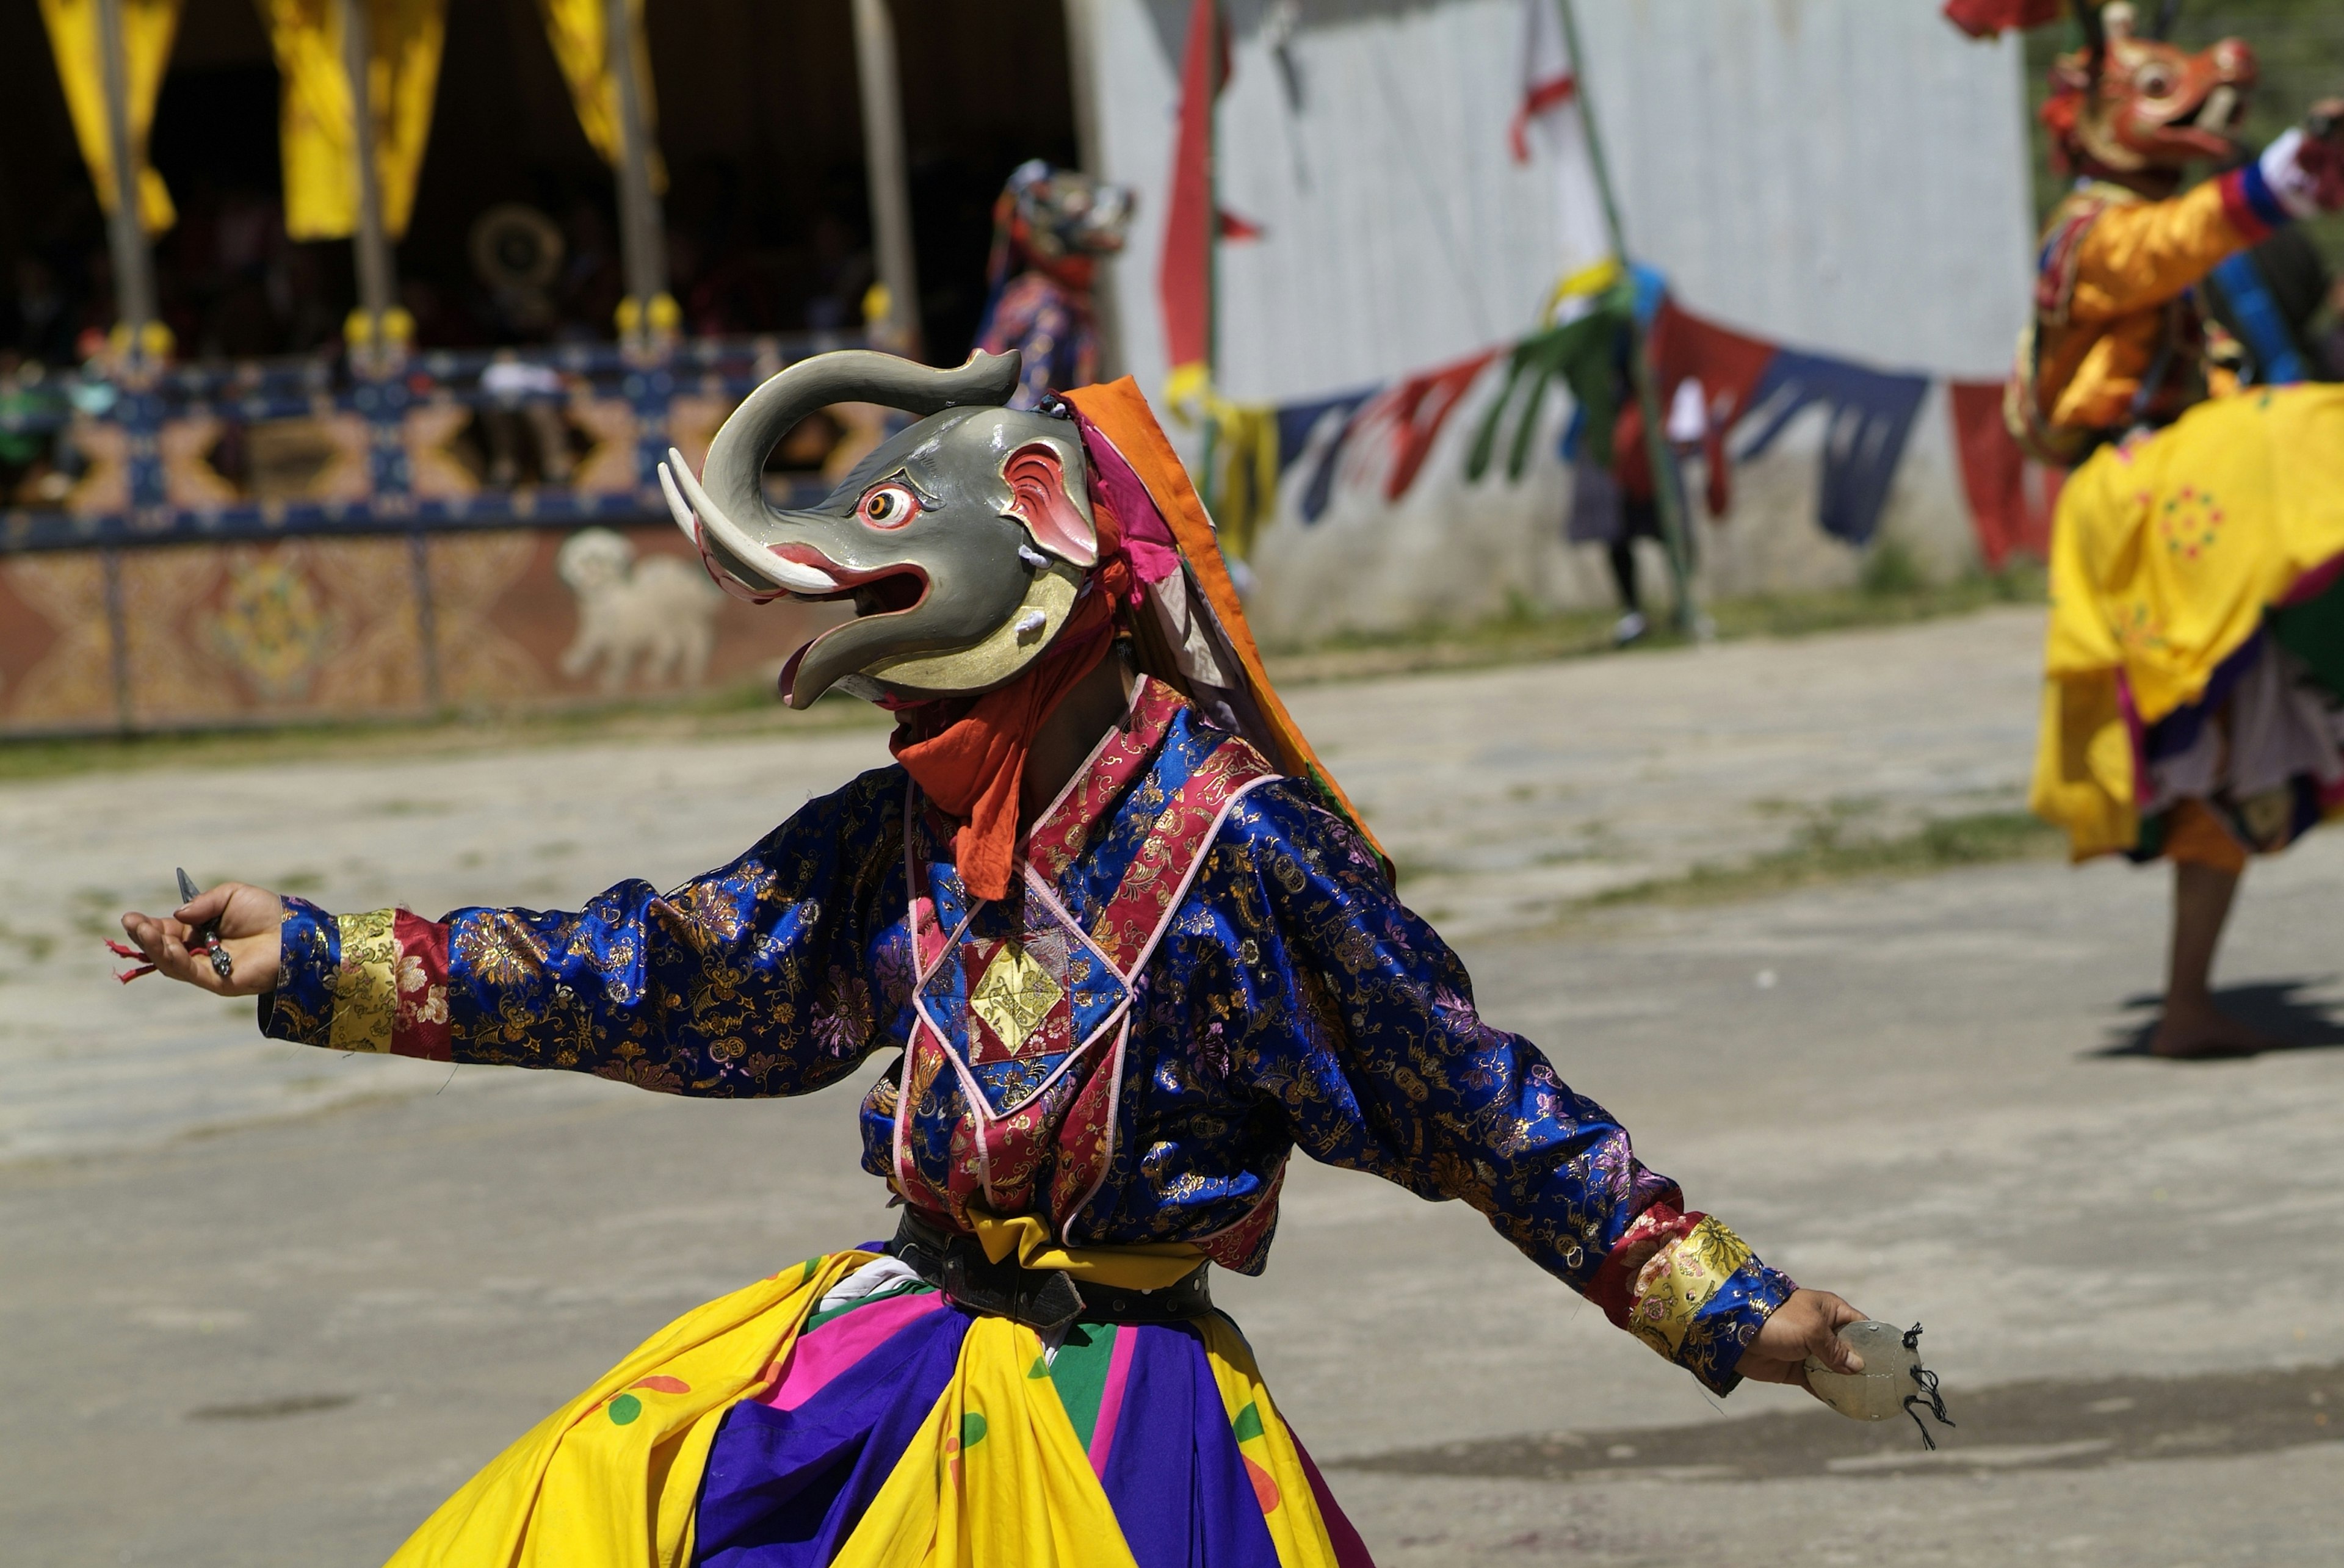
{"x": 659, "y": 613}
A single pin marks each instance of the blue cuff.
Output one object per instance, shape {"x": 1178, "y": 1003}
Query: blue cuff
{"x": 2261, "y": 200}
{"x": 301, "y": 1009}
{"x": 1729, "y": 1320}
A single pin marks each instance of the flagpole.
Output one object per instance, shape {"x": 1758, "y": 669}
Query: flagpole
{"x": 642, "y": 242}
{"x": 1658, "y": 455}
{"x": 883, "y": 166}
{"x": 1209, "y": 492}
{"x": 378, "y": 284}
{"x": 134, "y": 261}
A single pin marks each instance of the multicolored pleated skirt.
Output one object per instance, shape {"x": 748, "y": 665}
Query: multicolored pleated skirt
{"x": 843, "y": 1413}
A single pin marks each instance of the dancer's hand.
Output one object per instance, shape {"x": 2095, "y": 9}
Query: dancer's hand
{"x": 1808, "y": 1324}
{"x": 249, "y": 921}
{"x": 2305, "y": 166}
{"x": 2323, "y": 155}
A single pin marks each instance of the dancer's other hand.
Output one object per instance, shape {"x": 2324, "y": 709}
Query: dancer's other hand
{"x": 250, "y": 919}
{"x": 1808, "y": 1324}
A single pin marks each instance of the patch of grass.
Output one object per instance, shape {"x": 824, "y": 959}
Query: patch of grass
{"x": 1890, "y": 570}
{"x": 1891, "y": 592}
{"x": 1826, "y": 851}
{"x": 1876, "y": 601}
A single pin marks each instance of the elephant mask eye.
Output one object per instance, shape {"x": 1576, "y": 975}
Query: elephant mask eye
{"x": 888, "y": 506}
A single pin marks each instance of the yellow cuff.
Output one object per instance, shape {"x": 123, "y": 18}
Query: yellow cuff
{"x": 1678, "y": 1280}
{"x": 365, "y": 993}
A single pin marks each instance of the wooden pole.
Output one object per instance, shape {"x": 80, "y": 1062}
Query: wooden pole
{"x": 377, "y": 285}
{"x": 1658, "y": 454}
{"x": 1082, "y": 68}
{"x": 642, "y": 242}
{"x": 882, "y": 154}
{"x": 134, "y": 263}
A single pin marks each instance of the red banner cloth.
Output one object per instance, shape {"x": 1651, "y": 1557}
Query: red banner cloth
{"x": 1987, "y": 18}
{"x": 1418, "y": 408}
{"x": 1184, "y": 282}
{"x": 2011, "y": 515}
{"x": 1725, "y": 364}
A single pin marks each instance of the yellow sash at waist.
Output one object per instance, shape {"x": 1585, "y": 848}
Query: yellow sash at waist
{"x": 1151, "y": 1266}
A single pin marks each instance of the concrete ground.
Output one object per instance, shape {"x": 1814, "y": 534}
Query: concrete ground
{"x": 254, "y": 1318}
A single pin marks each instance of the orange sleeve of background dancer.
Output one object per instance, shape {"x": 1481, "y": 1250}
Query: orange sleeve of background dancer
{"x": 2137, "y": 257}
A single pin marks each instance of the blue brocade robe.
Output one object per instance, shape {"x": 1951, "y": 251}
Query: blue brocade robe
{"x": 1279, "y": 994}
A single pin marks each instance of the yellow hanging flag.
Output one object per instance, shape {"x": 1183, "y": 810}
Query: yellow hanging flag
{"x": 318, "y": 128}
{"x": 147, "y": 29}
{"x": 581, "y": 37}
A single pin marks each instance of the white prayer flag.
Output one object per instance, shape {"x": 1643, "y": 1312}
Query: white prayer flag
{"x": 1547, "y": 130}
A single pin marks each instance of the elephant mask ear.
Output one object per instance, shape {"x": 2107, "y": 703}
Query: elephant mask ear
{"x": 1039, "y": 498}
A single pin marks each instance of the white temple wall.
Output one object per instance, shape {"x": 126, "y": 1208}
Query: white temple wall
{"x": 1842, "y": 175}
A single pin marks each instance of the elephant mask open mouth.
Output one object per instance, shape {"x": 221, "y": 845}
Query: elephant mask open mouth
{"x": 962, "y": 542}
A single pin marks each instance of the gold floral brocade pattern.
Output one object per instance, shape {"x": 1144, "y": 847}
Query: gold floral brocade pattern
{"x": 1679, "y": 1279}
{"x": 366, "y": 986}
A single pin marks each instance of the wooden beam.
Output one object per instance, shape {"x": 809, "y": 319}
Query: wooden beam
{"x": 1082, "y": 48}
{"x": 125, "y": 229}
{"x": 642, "y": 236}
{"x": 377, "y": 283}
{"x": 884, "y": 160}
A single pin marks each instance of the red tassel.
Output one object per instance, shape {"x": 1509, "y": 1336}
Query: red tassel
{"x": 1990, "y": 18}
{"x": 119, "y": 951}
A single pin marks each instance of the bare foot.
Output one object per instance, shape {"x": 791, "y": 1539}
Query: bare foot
{"x": 2197, "y": 1031}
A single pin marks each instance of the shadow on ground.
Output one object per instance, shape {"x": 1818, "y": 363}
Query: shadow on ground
{"x": 2037, "y": 1425}
{"x": 2286, "y": 1010}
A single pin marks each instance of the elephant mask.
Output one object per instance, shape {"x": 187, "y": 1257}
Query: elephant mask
{"x": 963, "y": 542}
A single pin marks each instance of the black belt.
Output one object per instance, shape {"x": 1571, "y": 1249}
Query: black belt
{"x": 1042, "y": 1298}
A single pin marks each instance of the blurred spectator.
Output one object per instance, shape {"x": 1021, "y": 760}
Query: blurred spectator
{"x": 43, "y": 318}
{"x": 525, "y": 434}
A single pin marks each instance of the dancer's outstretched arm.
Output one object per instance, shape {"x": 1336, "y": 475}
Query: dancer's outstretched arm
{"x": 746, "y": 981}
{"x": 1349, "y": 1015}
{"x": 2133, "y": 256}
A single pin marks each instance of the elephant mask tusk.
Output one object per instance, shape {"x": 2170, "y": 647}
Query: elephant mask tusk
{"x": 691, "y": 506}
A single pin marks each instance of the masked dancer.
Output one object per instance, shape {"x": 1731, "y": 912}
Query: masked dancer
{"x": 1134, "y": 946}
{"x": 2195, "y": 657}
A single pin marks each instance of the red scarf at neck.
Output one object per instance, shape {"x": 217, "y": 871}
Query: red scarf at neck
{"x": 970, "y": 758}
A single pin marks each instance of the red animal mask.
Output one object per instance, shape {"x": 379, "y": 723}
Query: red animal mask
{"x": 2132, "y": 106}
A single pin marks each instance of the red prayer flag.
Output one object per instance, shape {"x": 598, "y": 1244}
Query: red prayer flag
{"x": 1549, "y": 76}
{"x": 1184, "y": 282}
{"x": 2009, "y": 513}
